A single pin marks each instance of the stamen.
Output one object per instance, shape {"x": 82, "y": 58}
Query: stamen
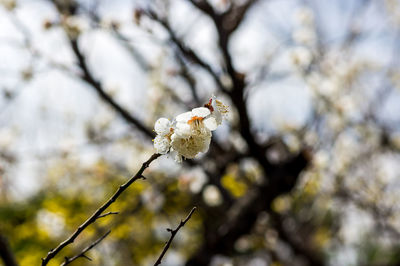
{"x": 195, "y": 119}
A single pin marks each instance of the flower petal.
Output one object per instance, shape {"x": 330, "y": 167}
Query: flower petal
{"x": 206, "y": 144}
{"x": 162, "y": 126}
{"x": 161, "y": 144}
{"x": 210, "y": 123}
{"x": 184, "y": 117}
{"x": 218, "y": 117}
{"x": 183, "y": 129}
{"x": 201, "y": 112}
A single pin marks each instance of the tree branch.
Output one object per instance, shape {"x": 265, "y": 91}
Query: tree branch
{"x": 82, "y": 254}
{"x": 204, "y": 6}
{"x": 107, "y": 214}
{"x": 243, "y": 214}
{"x": 299, "y": 247}
{"x": 6, "y": 253}
{"x": 52, "y": 253}
{"x": 186, "y": 51}
{"x": 95, "y": 84}
{"x": 173, "y": 233}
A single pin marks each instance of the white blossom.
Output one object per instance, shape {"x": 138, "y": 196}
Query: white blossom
{"x": 190, "y": 132}
{"x": 162, "y": 142}
{"x": 162, "y": 126}
{"x": 195, "y": 122}
{"x": 193, "y": 132}
{"x": 190, "y": 146}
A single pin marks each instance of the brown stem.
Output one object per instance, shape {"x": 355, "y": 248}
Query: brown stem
{"x": 83, "y": 253}
{"x": 52, "y": 253}
{"x": 173, "y": 233}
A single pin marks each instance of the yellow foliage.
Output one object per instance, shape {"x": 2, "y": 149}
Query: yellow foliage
{"x": 282, "y": 204}
{"x": 30, "y": 257}
{"x": 234, "y": 186}
{"x": 312, "y": 186}
{"x": 122, "y": 230}
{"x": 321, "y": 237}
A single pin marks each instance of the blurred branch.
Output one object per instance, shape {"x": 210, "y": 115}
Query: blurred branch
{"x": 241, "y": 217}
{"x": 204, "y": 6}
{"x": 298, "y": 245}
{"x": 173, "y": 233}
{"x": 186, "y": 51}
{"x": 6, "y": 253}
{"x": 186, "y": 74}
{"x": 136, "y": 56}
{"x": 96, "y": 215}
{"x": 88, "y": 77}
{"x": 83, "y": 253}
{"x": 70, "y": 8}
{"x": 226, "y": 24}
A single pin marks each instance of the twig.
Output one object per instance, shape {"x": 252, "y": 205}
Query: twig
{"x": 107, "y": 214}
{"x": 52, "y": 253}
{"x": 82, "y": 254}
{"x": 173, "y": 233}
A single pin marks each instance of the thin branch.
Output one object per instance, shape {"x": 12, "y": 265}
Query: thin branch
{"x": 107, "y": 214}
{"x": 173, "y": 233}
{"x": 82, "y": 254}
{"x": 52, "y": 253}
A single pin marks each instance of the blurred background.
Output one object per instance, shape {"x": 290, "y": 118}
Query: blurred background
{"x": 304, "y": 171}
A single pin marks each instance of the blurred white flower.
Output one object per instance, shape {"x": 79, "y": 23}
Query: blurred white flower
{"x": 305, "y": 36}
{"x": 321, "y": 159}
{"x": 212, "y": 196}
{"x": 301, "y": 56}
{"x": 8, "y": 4}
{"x": 51, "y": 222}
{"x": 304, "y": 16}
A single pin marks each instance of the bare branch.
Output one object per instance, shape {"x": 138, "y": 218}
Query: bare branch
{"x": 52, "y": 253}
{"x": 83, "y": 253}
{"x": 173, "y": 233}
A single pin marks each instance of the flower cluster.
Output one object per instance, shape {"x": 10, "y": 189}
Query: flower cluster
{"x": 190, "y": 132}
